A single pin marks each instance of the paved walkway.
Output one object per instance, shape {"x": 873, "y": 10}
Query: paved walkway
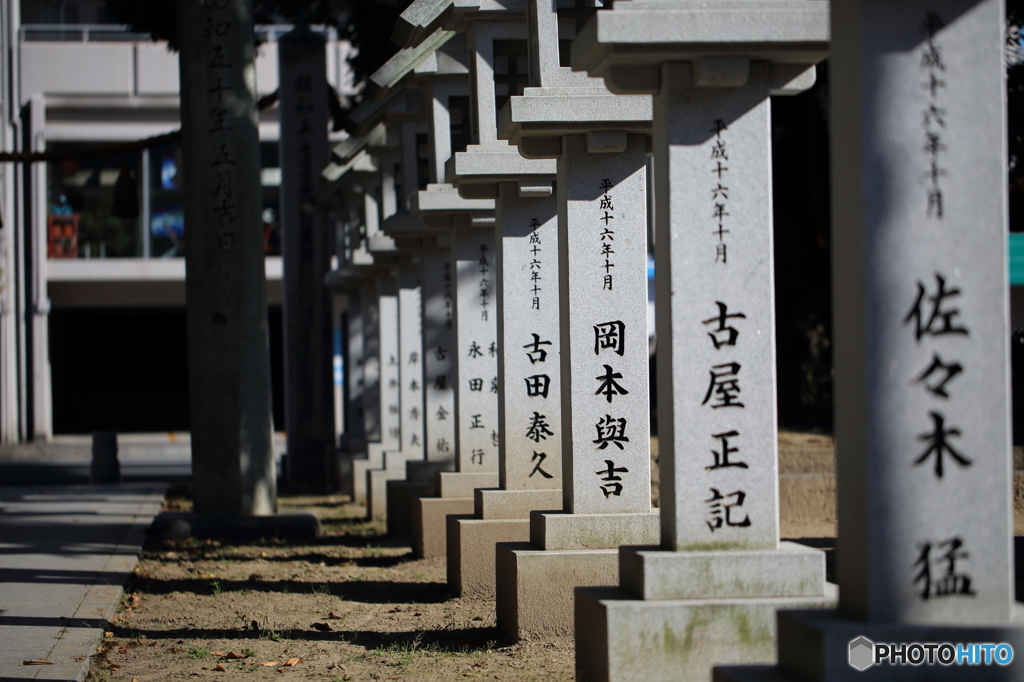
{"x": 65, "y": 552}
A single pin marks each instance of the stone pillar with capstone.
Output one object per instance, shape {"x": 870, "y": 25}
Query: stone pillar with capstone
{"x": 720, "y": 571}
{"x": 598, "y": 139}
{"x": 921, "y": 336}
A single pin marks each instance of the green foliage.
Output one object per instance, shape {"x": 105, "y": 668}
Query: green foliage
{"x": 199, "y": 652}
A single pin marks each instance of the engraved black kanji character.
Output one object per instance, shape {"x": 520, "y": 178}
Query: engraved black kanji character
{"x": 721, "y": 512}
{"x": 949, "y": 583}
{"x": 494, "y": 438}
{"x": 392, "y": 361}
{"x": 494, "y": 384}
{"x": 537, "y": 385}
{"x": 935, "y": 114}
{"x": 539, "y": 457}
{"x": 606, "y": 203}
{"x": 609, "y": 386}
{"x": 934, "y": 203}
{"x": 442, "y": 445}
{"x": 538, "y": 429}
{"x": 474, "y": 350}
{"x": 718, "y": 151}
{"x": 414, "y": 441}
{"x": 477, "y": 457}
{"x": 719, "y": 191}
{"x": 442, "y": 414}
{"x": 607, "y": 283}
{"x": 719, "y": 127}
{"x": 476, "y": 423}
{"x": 606, "y": 217}
{"x": 610, "y": 336}
{"x": 939, "y": 445}
{"x": 934, "y": 145}
{"x": 722, "y": 458}
{"x": 441, "y": 353}
{"x": 933, "y": 23}
{"x": 476, "y": 384}
{"x": 724, "y": 385}
{"x": 719, "y": 169}
{"x": 938, "y": 314}
{"x": 612, "y": 431}
{"x": 938, "y": 385}
{"x": 414, "y": 358}
{"x": 719, "y": 212}
{"x": 534, "y": 237}
{"x": 535, "y": 352}
{"x": 492, "y": 350}
{"x": 731, "y": 333}
{"x": 606, "y": 185}
{"x": 414, "y": 385}
{"x": 392, "y": 409}
{"x": 441, "y": 382}
{"x": 609, "y": 476}
{"x": 720, "y": 253}
{"x": 414, "y": 413}
{"x": 931, "y": 57}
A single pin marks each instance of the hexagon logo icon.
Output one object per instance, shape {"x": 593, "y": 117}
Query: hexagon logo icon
{"x": 862, "y": 653}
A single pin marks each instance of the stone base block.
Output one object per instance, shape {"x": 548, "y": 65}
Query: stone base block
{"x": 429, "y": 532}
{"x": 534, "y": 587}
{"x": 792, "y": 570}
{"x": 514, "y": 504}
{"x": 344, "y": 463}
{"x": 377, "y": 490}
{"x": 620, "y": 638}
{"x": 462, "y": 484}
{"x": 400, "y": 498}
{"x": 815, "y": 646}
{"x": 471, "y": 542}
{"x": 374, "y": 460}
{"x": 562, "y": 530}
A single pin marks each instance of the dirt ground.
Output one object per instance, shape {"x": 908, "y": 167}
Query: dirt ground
{"x": 352, "y": 605}
{"x": 349, "y": 606}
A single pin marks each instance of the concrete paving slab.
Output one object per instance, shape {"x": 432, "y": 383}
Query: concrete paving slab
{"x": 65, "y": 553}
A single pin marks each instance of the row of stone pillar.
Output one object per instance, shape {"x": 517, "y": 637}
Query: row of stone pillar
{"x": 503, "y": 297}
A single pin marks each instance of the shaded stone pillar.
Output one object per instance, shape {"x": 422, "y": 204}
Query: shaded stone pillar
{"x": 306, "y": 251}
{"x": 438, "y": 353}
{"x": 229, "y": 363}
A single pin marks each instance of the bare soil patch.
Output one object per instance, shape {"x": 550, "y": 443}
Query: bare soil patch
{"x": 352, "y": 605}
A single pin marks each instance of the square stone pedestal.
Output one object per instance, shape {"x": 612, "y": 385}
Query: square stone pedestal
{"x": 814, "y": 646}
{"x": 534, "y": 581}
{"x": 499, "y": 516}
{"x": 419, "y": 482}
{"x": 374, "y": 459}
{"x": 455, "y": 489}
{"x": 393, "y": 469}
{"x": 678, "y": 614}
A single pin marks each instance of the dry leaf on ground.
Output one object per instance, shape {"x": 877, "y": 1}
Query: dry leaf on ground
{"x": 221, "y": 668}
{"x": 38, "y": 661}
{"x": 233, "y": 655}
{"x": 291, "y": 662}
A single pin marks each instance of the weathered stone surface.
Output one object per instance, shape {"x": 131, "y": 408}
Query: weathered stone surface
{"x": 534, "y": 588}
{"x": 471, "y": 544}
{"x": 429, "y": 530}
{"x": 563, "y": 531}
{"x": 439, "y": 371}
{"x": 514, "y": 504}
{"x": 621, "y": 638}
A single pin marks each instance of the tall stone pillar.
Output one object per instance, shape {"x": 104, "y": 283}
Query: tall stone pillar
{"x": 306, "y": 254}
{"x": 229, "y": 364}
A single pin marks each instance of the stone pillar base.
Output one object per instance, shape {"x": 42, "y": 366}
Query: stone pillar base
{"x": 471, "y": 544}
{"x": 500, "y": 516}
{"x": 814, "y": 646}
{"x": 401, "y": 495}
{"x": 534, "y": 587}
{"x": 620, "y": 637}
{"x": 455, "y": 489}
{"x": 392, "y": 469}
{"x": 374, "y": 460}
{"x": 429, "y": 534}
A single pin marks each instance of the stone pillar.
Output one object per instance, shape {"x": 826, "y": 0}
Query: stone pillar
{"x": 353, "y": 440}
{"x": 720, "y": 557}
{"x": 372, "y": 392}
{"x": 921, "y": 334}
{"x": 529, "y": 407}
{"x": 390, "y": 369}
{"x": 438, "y": 353}
{"x": 475, "y": 381}
{"x": 476, "y": 351}
{"x": 306, "y": 251}
{"x": 410, "y": 309}
{"x": 602, "y": 225}
{"x": 229, "y": 363}
{"x": 529, "y": 366}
